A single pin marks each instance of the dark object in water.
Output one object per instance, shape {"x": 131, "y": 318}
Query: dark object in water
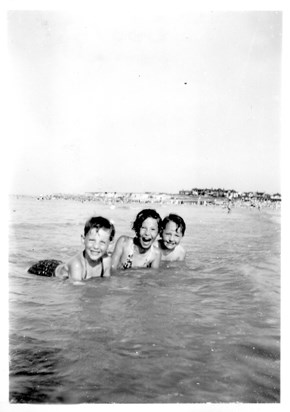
{"x": 44, "y": 267}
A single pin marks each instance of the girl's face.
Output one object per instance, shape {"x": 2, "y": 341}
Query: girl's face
{"x": 148, "y": 232}
{"x": 96, "y": 243}
{"x": 171, "y": 235}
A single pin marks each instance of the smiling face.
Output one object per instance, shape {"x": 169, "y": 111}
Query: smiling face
{"x": 148, "y": 233}
{"x": 171, "y": 235}
{"x": 96, "y": 243}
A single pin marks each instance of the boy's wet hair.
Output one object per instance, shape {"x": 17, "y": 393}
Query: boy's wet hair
{"x": 143, "y": 215}
{"x": 99, "y": 222}
{"x": 177, "y": 220}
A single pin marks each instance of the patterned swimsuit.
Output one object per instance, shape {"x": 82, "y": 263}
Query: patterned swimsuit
{"x": 129, "y": 261}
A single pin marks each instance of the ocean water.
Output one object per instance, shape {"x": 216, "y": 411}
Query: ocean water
{"x": 204, "y": 330}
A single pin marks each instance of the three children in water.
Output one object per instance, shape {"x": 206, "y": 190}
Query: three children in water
{"x": 141, "y": 251}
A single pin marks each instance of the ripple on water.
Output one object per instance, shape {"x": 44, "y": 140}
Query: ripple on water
{"x": 202, "y": 331}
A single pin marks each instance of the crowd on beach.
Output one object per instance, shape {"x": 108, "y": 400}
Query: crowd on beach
{"x": 115, "y": 199}
{"x": 155, "y": 240}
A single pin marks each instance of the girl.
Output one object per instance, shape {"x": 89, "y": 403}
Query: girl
{"x": 140, "y": 251}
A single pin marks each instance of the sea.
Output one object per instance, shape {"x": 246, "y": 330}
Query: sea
{"x": 206, "y": 330}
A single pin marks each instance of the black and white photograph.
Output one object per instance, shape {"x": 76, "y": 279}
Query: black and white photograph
{"x": 144, "y": 204}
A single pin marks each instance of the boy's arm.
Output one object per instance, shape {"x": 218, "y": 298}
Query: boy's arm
{"x": 107, "y": 267}
{"x": 118, "y": 250}
{"x": 182, "y": 254}
{"x": 62, "y": 271}
{"x": 75, "y": 269}
{"x": 156, "y": 262}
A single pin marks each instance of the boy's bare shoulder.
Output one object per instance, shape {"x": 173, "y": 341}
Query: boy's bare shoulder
{"x": 76, "y": 262}
{"x": 181, "y": 252}
{"x": 181, "y": 248}
{"x": 107, "y": 260}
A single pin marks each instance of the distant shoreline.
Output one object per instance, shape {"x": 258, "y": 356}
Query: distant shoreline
{"x": 168, "y": 200}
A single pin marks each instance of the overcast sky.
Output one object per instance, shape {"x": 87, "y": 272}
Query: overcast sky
{"x": 144, "y": 100}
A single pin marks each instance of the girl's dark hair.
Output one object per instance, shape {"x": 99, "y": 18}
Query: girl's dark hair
{"x": 143, "y": 215}
{"x": 99, "y": 222}
{"x": 176, "y": 219}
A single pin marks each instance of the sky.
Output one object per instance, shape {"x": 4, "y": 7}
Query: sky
{"x": 144, "y": 99}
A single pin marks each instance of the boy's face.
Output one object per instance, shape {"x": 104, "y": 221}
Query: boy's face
{"x": 96, "y": 243}
{"x": 171, "y": 235}
{"x": 148, "y": 232}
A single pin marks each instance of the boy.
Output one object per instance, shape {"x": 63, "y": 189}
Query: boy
{"x": 172, "y": 231}
{"x": 92, "y": 262}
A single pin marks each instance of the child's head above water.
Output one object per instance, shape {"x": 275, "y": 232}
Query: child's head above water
{"x": 179, "y": 222}
{"x": 98, "y": 233}
{"x": 172, "y": 230}
{"x": 98, "y": 223}
{"x": 147, "y": 226}
{"x": 142, "y": 216}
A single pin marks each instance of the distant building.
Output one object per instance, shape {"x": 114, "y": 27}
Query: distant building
{"x": 185, "y": 192}
{"x": 230, "y": 194}
{"x": 276, "y": 197}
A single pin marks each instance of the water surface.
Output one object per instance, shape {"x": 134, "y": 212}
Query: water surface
{"x": 206, "y": 330}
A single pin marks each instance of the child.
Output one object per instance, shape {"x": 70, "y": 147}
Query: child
{"x": 92, "y": 262}
{"x": 140, "y": 251}
{"x": 172, "y": 231}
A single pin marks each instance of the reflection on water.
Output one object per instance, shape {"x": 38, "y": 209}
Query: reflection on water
{"x": 207, "y": 330}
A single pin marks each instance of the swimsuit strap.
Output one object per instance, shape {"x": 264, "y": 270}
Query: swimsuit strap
{"x": 102, "y": 272}
{"x": 86, "y": 267}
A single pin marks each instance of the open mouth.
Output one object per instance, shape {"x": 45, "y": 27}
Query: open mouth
{"x": 146, "y": 242}
{"x": 170, "y": 244}
{"x": 95, "y": 253}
